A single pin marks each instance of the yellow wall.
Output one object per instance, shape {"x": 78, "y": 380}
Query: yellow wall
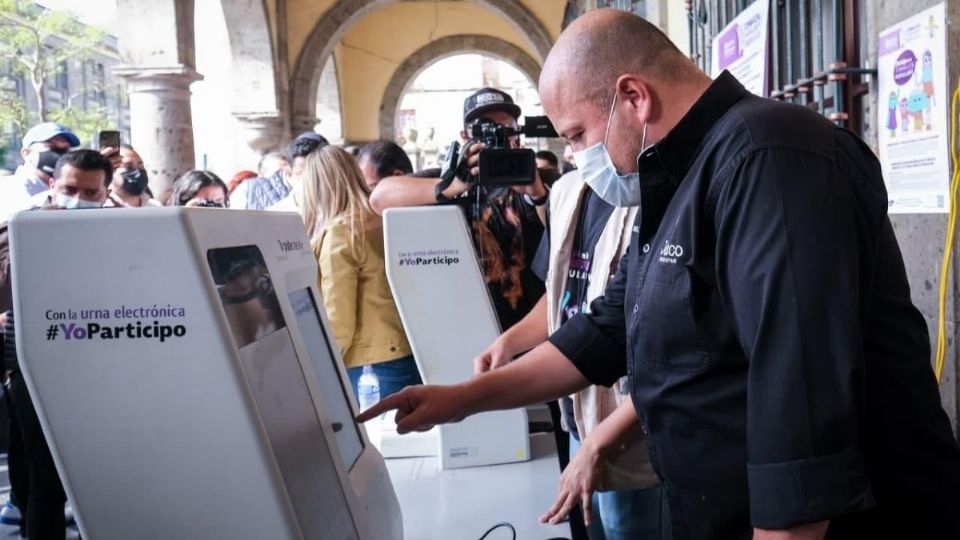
{"x": 550, "y": 13}
{"x": 302, "y": 17}
{"x": 372, "y": 50}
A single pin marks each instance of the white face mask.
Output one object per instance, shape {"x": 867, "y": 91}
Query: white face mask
{"x": 597, "y": 170}
{"x": 75, "y": 203}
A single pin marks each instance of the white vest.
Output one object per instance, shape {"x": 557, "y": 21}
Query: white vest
{"x": 629, "y": 467}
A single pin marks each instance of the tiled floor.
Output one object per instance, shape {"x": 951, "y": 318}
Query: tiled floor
{"x": 462, "y": 504}
{"x": 457, "y": 504}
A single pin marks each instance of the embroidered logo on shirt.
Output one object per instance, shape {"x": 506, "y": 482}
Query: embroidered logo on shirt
{"x": 670, "y": 253}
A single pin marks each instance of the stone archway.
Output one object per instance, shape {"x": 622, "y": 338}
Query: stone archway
{"x": 342, "y": 16}
{"x": 251, "y": 47}
{"x": 441, "y": 48}
{"x": 329, "y": 102}
{"x": 256, "y": 85}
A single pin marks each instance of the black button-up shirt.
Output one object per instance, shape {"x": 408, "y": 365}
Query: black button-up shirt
{"x": 764, "y": 313}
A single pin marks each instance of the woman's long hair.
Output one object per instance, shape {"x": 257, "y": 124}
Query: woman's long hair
{"x": 333, "y": 188}
{"x": 187, "y": 186}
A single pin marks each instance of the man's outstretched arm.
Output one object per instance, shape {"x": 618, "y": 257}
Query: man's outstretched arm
{"x": 403, "y": 191}
{"x": 541, "y": 375}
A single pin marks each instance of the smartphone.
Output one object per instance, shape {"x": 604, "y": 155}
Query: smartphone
{"x": 108, "y": 138}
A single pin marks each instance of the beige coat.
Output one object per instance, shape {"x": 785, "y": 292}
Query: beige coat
{"x": 629, "y": 467}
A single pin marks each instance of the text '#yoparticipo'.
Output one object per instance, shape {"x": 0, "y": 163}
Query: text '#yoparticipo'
{"x": 95, "y": 330}
{"x": 434, "y": 261}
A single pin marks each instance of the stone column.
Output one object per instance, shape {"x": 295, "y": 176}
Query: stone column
{"x": 262, "y": 133}
{"x": 302, "y": 122}
{"x": 161, "y": 125}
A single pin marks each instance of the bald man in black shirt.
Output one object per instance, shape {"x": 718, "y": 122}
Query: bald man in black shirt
{"x": 763, "y": 313}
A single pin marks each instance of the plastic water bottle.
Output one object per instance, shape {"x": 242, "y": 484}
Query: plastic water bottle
{"x": 368, "y": 388}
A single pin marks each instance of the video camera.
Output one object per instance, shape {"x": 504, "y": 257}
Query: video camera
{"x": 499, "y": 164}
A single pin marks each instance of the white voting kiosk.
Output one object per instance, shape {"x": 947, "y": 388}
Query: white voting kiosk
{"x": 449, "y": 319}
{"x": 182, "y": 369}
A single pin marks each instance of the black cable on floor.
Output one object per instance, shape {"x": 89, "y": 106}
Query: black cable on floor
{"x": 497, "y": 526}
{"x": 512, "y": 531}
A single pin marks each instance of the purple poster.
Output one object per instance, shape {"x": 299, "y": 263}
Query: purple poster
{"x": 741, "y": 48}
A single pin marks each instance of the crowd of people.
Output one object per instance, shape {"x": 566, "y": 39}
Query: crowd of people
{"x": 717, "y": 374}
{"x": 338, "y": 193}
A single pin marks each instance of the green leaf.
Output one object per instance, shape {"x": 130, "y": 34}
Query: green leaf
{"x": 35, "y": 40}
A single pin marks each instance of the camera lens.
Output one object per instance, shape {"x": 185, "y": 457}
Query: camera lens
{"x": 507, "y": 165}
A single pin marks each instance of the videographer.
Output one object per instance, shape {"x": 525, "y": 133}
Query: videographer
{"x": 506, "y": 221}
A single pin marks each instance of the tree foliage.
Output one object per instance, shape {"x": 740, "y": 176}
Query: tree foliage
{"x": 36, "y": 41}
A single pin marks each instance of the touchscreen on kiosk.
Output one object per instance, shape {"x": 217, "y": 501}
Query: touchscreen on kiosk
{"x": 332, "y": 392}
{"x": 255, "y": 318}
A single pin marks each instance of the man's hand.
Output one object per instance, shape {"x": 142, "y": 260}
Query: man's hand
{"x": 577, "y": 484}
{"x": 473, "y": 158}
{"x": 113, "y": 154}
{"x": 456, "y": 188}
{"x": 420, "y": 408}
{"x": 497, "y": 355}
{"x": 459, "y": 185}
{"x": 536, "y": 190}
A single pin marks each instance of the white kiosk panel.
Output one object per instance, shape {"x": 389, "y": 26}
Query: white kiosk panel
{"x": 180, "y": 368}
{"x": 449, "y": 319}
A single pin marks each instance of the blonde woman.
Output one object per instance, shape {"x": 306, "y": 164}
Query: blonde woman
{"x": 347, "y": 237}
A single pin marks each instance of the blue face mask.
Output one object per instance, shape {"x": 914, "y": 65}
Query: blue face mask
{"x": 597, "y": 170}
{"x": 75, "y": 203}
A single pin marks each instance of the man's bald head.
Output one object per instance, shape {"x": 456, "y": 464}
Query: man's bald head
{"x": 607, "y": 53}
{"x": 603, "y": 44}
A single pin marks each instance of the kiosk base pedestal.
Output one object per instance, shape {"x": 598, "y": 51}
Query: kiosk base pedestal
{"x": 384, "y": 436}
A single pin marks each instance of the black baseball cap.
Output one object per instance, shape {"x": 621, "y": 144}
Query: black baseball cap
{"x": 486, "y": 100}
{"x": 312, "y": 136}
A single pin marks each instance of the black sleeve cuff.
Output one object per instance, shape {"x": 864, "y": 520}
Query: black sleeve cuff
{"x": 599, "y": 357}
{"x": 784, "y": 495}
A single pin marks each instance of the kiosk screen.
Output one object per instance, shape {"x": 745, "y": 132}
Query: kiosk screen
{"x": 332, "y": 391}
{"x": 246, "y": 292}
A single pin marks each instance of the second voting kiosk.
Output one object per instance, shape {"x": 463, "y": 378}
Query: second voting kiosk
{"x": 184, "y": 374}
{"x": 449, "y": 319}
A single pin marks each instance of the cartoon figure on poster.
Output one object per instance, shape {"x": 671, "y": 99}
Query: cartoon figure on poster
{"x": 904, "y": 114}
{"x": 913, "y": 140}
{"x": 892, "y": 112}
{"x": 918, "y": 105}
{"x": 927, "y": 77}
